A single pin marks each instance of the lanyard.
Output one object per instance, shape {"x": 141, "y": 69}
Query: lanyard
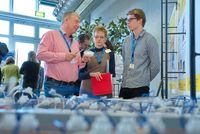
{"x": 68, "y": 45}
{"x": 102, "y": 55}
{"x": 132, "y": 47}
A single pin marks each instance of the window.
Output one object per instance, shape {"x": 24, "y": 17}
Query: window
{"x": 4, "y": 5}
{"x": 48, "y": 11}
{"x": 4, "y": 26}
{"x": 21, "y": 50}
{"x": 25, "y": 7}
{"x": 43, "y": 31}
{"x": 24, "y": 30}
{"x": 4, "y": 40}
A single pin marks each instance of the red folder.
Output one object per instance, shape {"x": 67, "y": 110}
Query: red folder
{"x": 102, "y": 87}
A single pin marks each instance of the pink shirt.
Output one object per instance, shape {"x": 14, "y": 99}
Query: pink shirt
{"x": 52, "y": 50}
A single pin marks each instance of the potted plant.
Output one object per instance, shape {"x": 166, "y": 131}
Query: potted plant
{"x": 117, "y": 31}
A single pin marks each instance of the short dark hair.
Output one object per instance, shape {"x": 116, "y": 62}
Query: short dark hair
{"x": 83, "y": 37}
{"x": 109, "y": 45}
{"x": 139, "y": 14}
{"x": 3, "y": 49}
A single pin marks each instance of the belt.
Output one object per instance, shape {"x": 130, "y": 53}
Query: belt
{"x": 60, "y": 82}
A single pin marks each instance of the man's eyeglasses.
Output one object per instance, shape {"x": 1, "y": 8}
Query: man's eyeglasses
{"x": 130, "y": 19}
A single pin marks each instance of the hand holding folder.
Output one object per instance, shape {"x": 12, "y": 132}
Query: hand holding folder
{"x": 103, "y": 86}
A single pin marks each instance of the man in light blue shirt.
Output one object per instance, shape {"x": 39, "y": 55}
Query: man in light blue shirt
{"x": 140, "y": 54}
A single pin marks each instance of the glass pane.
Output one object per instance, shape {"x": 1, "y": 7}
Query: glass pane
{"x": 4, "y": 26}
{"x": 48, "y": 11}
{"x": 19, "y": 30}
{"x": 4, "y": 5}
{"x": 4, "y": 40}
{"x": 24, "y": 7}
{"x": 21, "y": 50}
{"x": 43, "y": 31}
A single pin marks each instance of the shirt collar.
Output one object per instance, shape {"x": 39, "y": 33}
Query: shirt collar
{"x": 63, "y": 32}
{"x": 142, "y": 33}
{"x": 99, "y": 49}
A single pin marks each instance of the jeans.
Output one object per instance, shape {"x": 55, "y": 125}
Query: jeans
{"x": 63, "y": 89}
{"x": 89, "y": 93}
{"x": 36, "y": 92}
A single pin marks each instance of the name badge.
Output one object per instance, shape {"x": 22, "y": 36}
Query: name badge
{"x": 131, "y": 66}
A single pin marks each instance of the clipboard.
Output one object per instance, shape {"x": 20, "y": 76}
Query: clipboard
{"x": 102, "y": 87}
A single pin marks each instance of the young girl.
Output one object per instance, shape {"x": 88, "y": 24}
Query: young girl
{"x": 98, "y": 63}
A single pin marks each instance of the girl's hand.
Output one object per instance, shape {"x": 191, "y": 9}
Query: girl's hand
{"x": 97, "y": 75}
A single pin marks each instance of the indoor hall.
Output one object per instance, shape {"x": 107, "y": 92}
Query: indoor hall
{"x": 173, "y": 95}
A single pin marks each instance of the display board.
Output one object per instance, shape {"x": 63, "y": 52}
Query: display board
{"x": 179, "y": 61}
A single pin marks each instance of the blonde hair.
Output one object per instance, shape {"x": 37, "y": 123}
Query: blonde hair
{"x": 69, "y": 14}
{"x": 100, "y": 28}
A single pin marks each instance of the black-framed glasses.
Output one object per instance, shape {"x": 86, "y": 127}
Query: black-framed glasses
{"x": 130, "y": 19}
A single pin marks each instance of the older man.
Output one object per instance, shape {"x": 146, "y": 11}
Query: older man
{"x": 60, "y": 52}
